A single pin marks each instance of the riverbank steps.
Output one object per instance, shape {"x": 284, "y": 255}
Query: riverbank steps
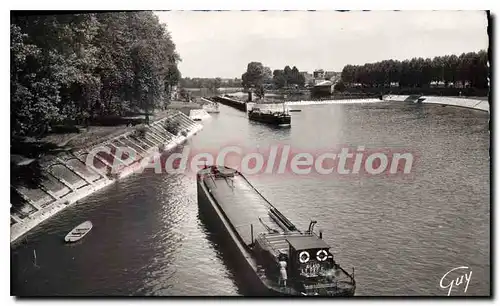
{"x": 66, "y": 178}
{"x": 452, "y": 101}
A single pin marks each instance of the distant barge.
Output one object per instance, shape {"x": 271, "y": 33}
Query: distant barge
{"x": 266, "y": 243}
{"x": 270, "y": 117}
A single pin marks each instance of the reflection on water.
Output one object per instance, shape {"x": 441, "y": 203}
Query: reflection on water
{"x": 400, "y": 235}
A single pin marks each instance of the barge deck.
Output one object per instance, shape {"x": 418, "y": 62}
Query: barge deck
{"x": 266, "y": 240}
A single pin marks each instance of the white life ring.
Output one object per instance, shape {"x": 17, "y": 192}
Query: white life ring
{"x": 321, "y": 255}
{"x": 306, "y": 258}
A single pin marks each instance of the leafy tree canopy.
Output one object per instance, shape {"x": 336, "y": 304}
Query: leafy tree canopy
{"x": 73, "y": 67}
{"x": 469, "y": 69}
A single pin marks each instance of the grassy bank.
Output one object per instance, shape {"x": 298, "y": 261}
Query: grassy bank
{"x": 79, "y": 137}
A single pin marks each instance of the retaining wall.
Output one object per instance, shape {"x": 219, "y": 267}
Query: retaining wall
{"x": 68, "y": 177}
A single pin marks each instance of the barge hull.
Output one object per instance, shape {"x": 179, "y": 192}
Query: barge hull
{"x": 240, "y": 215}
{"x": 271, "y": 120}
{"x": 246, "y": 265}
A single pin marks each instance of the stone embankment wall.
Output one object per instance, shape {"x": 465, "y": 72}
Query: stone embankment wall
{"x": 68, "y": 177}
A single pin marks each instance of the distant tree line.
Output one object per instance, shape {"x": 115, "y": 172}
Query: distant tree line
{"x": 211, "y": 83}
{"x": 258, "y": 77}
{"x": 467, "y": 70}
{"x": 74, "y": 67}
{"x": 288, "y": 77}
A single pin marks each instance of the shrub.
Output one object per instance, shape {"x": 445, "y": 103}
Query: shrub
{"x": 141, "y": 131}
{"x": 172, "y": 127}
{"x": 339, "y": 86}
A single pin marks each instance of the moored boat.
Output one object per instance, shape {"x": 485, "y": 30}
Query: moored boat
{"x": 78, "y": 232}
{"x": 270, "y": 117}
{"x": 276, "y": 257}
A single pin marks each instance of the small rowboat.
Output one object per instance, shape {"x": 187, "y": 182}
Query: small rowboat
{"x": 78, "y": 232}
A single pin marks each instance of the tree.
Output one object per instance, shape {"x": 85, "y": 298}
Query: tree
{"x": 301, "y": 80}
{"x": 288, "y": 75}
{"x": 451, "y": 69}
{"x": 172, "y": 78}
{"x": 427, "y": 72}
{"x": 438, "y": 64}
{"x": 339, "y": 86}
{"x": 148, "y": 84}
{"x": 470, "y": 68}
{"x": 260, "y": 91}
{"x": 214, "y": 84}
{"x": 268, "y": 76}
{"x": 348, "y": 74}
{"x": 34, "y": 89}
{"x": 69, "y": 68}
{"x": 482, "y": 71}
{"x": 295, "y": 76}
{"x": 279, "y": 78}
{"x": 254, "y": 76}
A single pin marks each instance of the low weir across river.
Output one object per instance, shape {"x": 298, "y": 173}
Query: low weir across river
{"x": 452, "y": 101}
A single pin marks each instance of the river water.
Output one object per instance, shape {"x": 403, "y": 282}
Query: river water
{"x": 402, "y": 234}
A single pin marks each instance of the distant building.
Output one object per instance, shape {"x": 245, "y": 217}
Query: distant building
{"x": 322, "y": 88}
{"x": 307, "y": 76}
{"x": 329, "y": 74}
{"x": 319, "y": 74}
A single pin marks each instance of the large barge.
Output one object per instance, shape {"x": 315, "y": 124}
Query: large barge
{"x": 240, "y": 105}
{"x": 269, "y": 117}
{"x": 275, "y": 257}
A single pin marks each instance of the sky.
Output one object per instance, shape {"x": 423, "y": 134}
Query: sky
{"x": 221, "y": 44}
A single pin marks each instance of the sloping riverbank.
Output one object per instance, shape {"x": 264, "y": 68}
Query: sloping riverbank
{"x": 69, "y": 177}
{"x": 478, "y": 104}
